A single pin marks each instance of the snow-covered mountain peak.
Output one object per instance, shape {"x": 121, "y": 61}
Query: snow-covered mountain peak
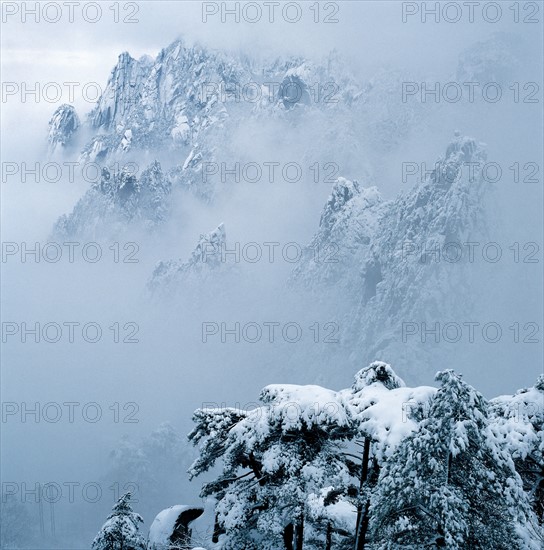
{"x": 378, "y": 249}
{"x": 62, "y": 126}
{"x": 117, "y": 201}
{"x": 206, "y": 259}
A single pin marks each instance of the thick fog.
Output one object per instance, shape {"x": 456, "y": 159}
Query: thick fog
{"x": 159, "y": 356}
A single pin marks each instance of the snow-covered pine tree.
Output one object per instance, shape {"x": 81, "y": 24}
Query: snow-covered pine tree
{"x": 384, "y": 412}
{"x": 380, "y": 373}
{"x": 276, "y": 459}
{"x": 121, "y": 530}
{"x": 450, "y": 484}
{"x": 212, "y": 433}
{"x": 518, "y": 423}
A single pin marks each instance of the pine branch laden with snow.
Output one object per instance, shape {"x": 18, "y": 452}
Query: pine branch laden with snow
{"x": 275, "y": 458}
{"x": 518, "y": 425}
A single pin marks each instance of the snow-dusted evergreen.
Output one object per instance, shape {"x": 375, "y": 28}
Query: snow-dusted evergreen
{"x": 384, "y": 412}
{"x": 518, "y": 423}
{"x": 450, "y": 484}
{"x": 277, "y": 460}
{"x": 377, "y": 465}
{"x": 121, "y": 530}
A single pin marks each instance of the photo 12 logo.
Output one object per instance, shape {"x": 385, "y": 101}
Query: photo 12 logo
{"x": 53, "y": 252}
{"x": 53, "y": 92}
{"x": 476, "y": 172}
{"x": 471, "y": 332}
{"x": 471, "y": 92}
{"x": 68, "y": 332}
{"x": 269, "y": 331}
{"x": 291, "y": 91}
{"x": 53, "y": 492}
{"x": 69, "y": 12}
{"x": 269, "y": 252}
{"x": 470, "y": 252}
{"x": 70, "y": 412}
{"x": 270, "y": 172}
{"x": 471, "y": 12}
{"x": 66, "y": 171}
{"x": 270, "y": 12}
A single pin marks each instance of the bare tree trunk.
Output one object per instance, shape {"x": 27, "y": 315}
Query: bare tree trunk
{"x": 364, "y": 525}
{"x": 217, "y": 530}
{"x": 362, "y": 511}
{"x": 299, "y": 532}
{"x": 288, "y": 534}
{"x": 328, "y": 543}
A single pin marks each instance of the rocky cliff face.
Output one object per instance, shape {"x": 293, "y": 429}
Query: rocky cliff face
{"x": 117, "y": 202}
{"x": 123, "y": 92}
{"x": 417, "y": 261}
{"x": 171, "y": 101}
{"x": 152, "y": 104}
{"x": 184, "y": 107}
{"x": 62, "y": 127}
{"x": 402, "y": 260}
{"x": 207, "y": 260}
{"x": 348, "y": 225}
{"x": 380, "y": 263}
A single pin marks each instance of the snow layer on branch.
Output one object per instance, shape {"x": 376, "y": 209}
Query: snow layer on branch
{"x": 388, "y": 416}
{"x": 518, "y": 422}
{"x": 342, "y": 514}
{"x": 296, "y": 407}
{"x": 377, "y": 371}
{"x": 385, "y": 415}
